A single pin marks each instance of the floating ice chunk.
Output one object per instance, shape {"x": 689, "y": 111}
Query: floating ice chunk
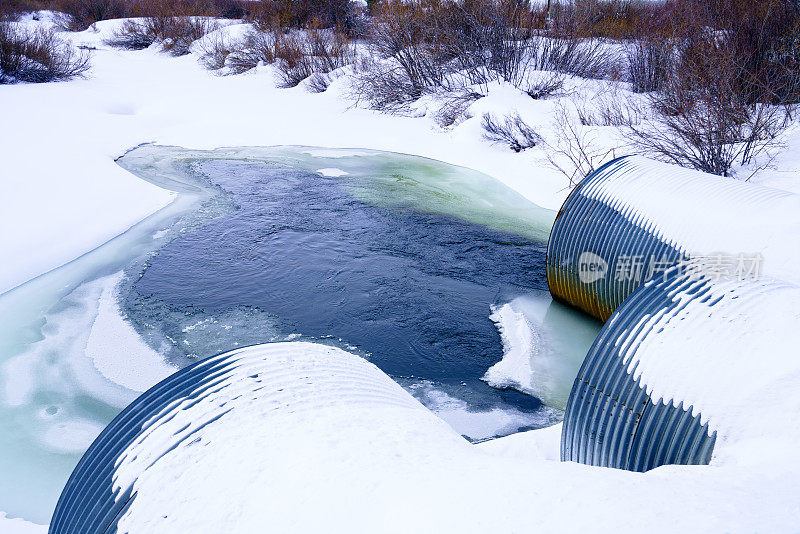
{"x": 544, "y": 344}
{"x": 332, "y": 171}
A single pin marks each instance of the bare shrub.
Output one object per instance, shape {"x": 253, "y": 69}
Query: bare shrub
{"x": 11, "y": 9}
{"x": 84, "y": 13}
{"x": 454, "y": 107}
{"x": 318, "y": 82}
{"x": 574, "y": 152}
{"x": 132, "y": 35}
{"x": 257, "y": 47}
{"x": 301, "y": 54}
{"x": 175, "y": 33}
{"x": 342, "y": 14}
{"x": 512, "y": 131}
{"x": 215, "y": 52}
{"x": 708, "y": 131}
{"x": 763, "y": 37}
{"x": 717, "y": 109}
{"x": 383, "y": 85}
{"x": 650, "y": 63}
{"x": 546, "y": 86}
{"x": 612, "y": 19}
{"x": 580, "y": 57}
{"x": 37, "y": 56}
{"x": 485, "y": 40}
{"x": 404, "y": 33}
{"x": 238, "y": 56}
{"x": 609, "y": 108}
{"x": 443, "y": 46}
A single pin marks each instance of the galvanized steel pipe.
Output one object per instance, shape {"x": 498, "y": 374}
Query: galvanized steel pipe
{"x": 634, "y": 209}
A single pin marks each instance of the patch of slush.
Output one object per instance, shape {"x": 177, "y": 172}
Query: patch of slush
{"x": 18, "y": 525}
{"x": 88, "y": 349}
{"x": 338, "y": 152}
{"x": 58, "y": 363}
{"x": 72, "y": 435}
{"x": 478, "y": 424}
{"x": 137, "y": 367}
{"x": 185, "y": 334}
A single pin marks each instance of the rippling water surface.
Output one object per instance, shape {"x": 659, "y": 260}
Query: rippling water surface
{"x": 376, "y": 260}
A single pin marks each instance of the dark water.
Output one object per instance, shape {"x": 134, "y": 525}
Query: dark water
{"x": 300, "y": 255}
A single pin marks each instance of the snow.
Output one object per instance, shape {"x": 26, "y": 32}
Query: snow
{"x": 339, "y": 446}
{"x": 389, "y": 464}
{"x": 519, "y": 341}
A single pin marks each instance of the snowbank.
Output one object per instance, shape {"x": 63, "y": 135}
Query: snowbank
{"x": 303, "y": 437}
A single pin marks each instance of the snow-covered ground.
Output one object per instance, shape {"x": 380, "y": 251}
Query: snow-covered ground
{"x": 338, "y": 446}
{"x": 63, "y": 195}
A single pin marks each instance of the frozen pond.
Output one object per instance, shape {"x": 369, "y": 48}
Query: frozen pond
{"x": 397, "y": 258}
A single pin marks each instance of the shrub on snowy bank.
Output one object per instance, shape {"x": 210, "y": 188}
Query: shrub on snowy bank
{"x": 346, "y": 15}
{"x": 83, "y": 13}
{"x": 175, "y": 33}
{"x": 511, "y": 131}
{"x": 238, "y": 56}
{"x": 299, "y": 55}
{"x": 719, "y": 99}
{"x": 264, "y": 13}
{"x": 314, "y": 52}
{"x": 433, "y": 46}
{"x": 37, "y": 56}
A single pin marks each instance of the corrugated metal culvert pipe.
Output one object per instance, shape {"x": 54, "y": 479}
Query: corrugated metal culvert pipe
{"x": 645, "y": 246}
{"x": 92, "y": 501}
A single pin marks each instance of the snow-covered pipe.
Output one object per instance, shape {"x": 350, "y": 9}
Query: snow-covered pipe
{"x": 229, "y": 413}
{"x": 664, "y": 255}
{"x": 673, "y": 367}
{"x": 610, "y": 419}
{"x": 634, "y": 218}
